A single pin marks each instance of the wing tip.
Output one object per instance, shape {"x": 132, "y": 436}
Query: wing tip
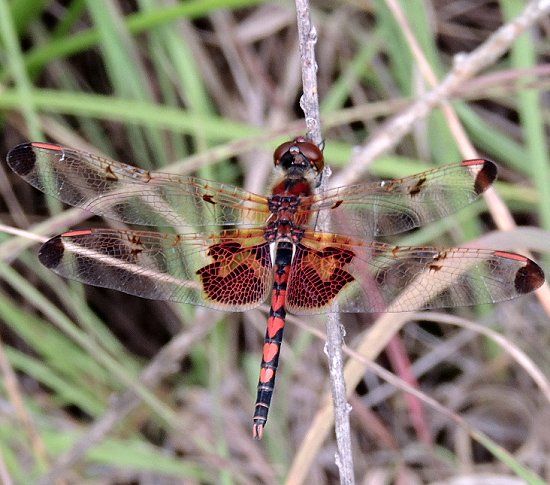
{"x": 51, "y": 252}
{"x": 21, "y": 159}
{"x": 485, "y": 172}
{"x": 529, "y": 277}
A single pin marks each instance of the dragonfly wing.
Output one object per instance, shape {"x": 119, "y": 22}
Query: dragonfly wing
{"x": 331, "y": 273}
{"x": 230, "y": 271}
{"x": 395, "y": 206}
{"x": 133, "y": 195}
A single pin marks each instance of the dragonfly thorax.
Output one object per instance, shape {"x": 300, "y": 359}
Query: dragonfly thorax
{"x": 299, "y": 162}
{"x": 278, "y": 203}
{"x": 283, "y": 223}
{"x": 283, "y": 231}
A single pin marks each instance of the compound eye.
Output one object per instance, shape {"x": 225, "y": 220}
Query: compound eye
{"x": 280, "y": 151}
{"x": 312, "y": 153}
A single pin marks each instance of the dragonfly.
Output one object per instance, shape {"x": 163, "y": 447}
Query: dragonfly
{"x": 308, "y": 250}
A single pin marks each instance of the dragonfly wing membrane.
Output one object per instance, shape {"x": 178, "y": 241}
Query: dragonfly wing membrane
{"x": 230, "y": 271}
{"x": 376, "y": 277}
{"x": 133, "y": 195}
{"x": 394, "y": 206}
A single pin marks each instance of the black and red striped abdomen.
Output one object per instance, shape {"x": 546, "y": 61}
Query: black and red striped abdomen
{"x": 273, "y": 337}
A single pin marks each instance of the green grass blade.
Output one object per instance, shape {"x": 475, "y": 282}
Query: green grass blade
{"x": 23, "y": 12}
{"x": 136, "y": 24}
{"x": 16, "y": 66}
{"x": 123, "y": 67}
{"x": 66, "y": 392}
{"x": 60, "y": 320}
{"x": 130, "y": 111}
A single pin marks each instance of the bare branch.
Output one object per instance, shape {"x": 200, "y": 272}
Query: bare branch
{"x": 309, "y": 101}
{"x": 310, "y": 104}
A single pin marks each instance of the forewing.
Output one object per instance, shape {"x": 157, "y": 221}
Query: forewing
{"x": 332, "y": 274}
{"x": 394, "y": 206}
{"x": 230, "y": 271}
{"x": 133, "y": 195}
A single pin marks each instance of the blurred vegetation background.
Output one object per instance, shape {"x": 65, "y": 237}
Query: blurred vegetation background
{"x": 210, "y": 87}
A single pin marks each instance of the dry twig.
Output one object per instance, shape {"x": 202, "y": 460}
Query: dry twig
{"x": 310, "y": 104}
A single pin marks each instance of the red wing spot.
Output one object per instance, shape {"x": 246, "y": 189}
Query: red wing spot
{"x": 240, "y": 286}
{"x": 318, "y": 276}
{"x": 274, "y": 324}
{"x": 209, "y": 198}
{"x": 47, "y": 146}
{"x": 270, "y": 351}
{"x": 266, "y": 374}
{"x": 338, "y": 203}
{"x": 529, "y": 277}
{"x": 22, "y": 159}
{"x": 222, "y": 251}
{"x": 507, "y": 255}
{"x": 342, "y": 256}
{"x": 82, "y": 232}
{"x": 435, "y": 267}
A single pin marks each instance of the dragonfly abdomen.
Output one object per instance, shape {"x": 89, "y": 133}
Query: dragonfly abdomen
{"x": 273, "y": 337}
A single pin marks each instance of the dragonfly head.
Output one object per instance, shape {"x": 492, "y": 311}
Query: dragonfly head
{"x": 299, "y": 158}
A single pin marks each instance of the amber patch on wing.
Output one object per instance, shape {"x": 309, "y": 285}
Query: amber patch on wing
{"x": 237, "y": 275}
{"x": 317, "y": 276}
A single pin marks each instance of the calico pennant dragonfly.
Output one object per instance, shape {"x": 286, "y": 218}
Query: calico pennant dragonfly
{"x": 234, "y": 247}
